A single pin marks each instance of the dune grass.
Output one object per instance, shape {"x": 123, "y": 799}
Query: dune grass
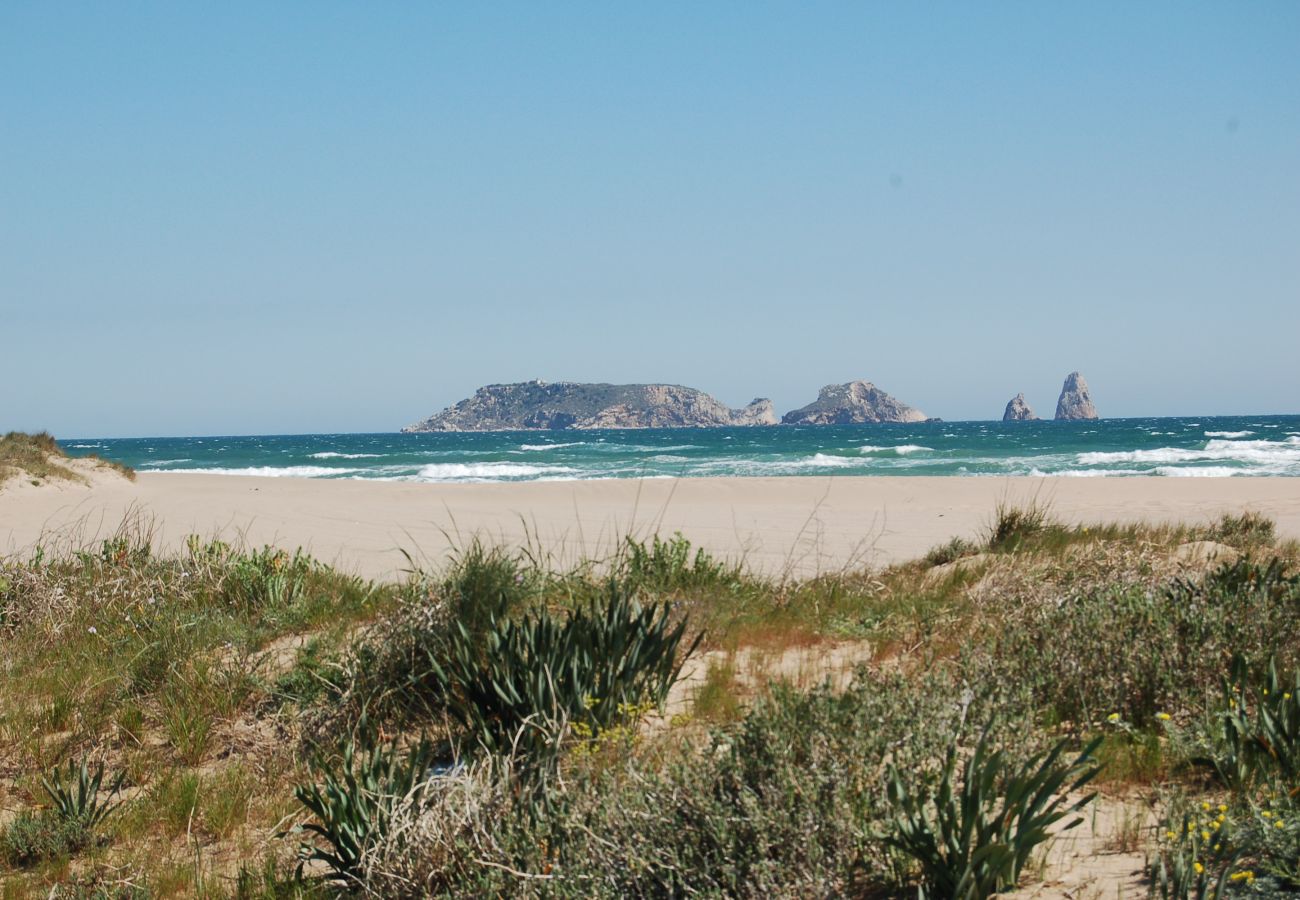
{"x": 223, "y": 688}
{"x": 39, "y": 458}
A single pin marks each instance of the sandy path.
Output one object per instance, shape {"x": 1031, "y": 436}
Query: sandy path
{"x": 801, "y": 525}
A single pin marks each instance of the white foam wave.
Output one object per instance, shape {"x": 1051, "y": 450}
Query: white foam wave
{"x": 1202, "y": 471}
{"x": 1084, "y": 473}
{"x": 490, "y": 471}
{"x": 85, "y": 446}
{"x": 901, "y": 449}
{"x": 1228, "y": 434}
{"x": 539, "y": 447}
{"x": 330, "y": 454}
{"x": 164, "y": 462}
{"x": 269, "y": 471}
{"x": 1257, "y": 453}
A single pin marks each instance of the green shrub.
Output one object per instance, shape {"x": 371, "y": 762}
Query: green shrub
{"x": 975, "y": 835}
{"x": 519, "y": 681}
{"x": 952, "y": 551}
{"x": 34, "y": 837}
{"x": 1139, "y": 652}
{"x": 486, "y": 583}
{"x": 269, "y": 577}
{"x": 354, "y": 802}
{"x": 1013, "y": 525}
{"x": 1196, "y": 856}
{"x": 1249, "y": 530}
{"x": 76, "y": 794}
{"x": 1257, "y": 738}
{"x": 664, "y": 566}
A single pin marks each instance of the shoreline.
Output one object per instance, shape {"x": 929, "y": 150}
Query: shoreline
{"x": 778, "y": 525}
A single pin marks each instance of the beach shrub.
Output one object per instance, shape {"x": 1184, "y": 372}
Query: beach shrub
{"x": 269, "y": 577}
{"x": 76, "y": 793}
{"x": 34, "y": 837}
{"x": 1196, "y": 856}
{"x": 1247, "y": 531}
{"x": 952, "y": 551}
{"x": 80, "y": 803}
{"x": 663, "y": 566}
{"x": 488, "y": 582}
{"x": 521, "y": 682}
{"x": 1139, "y": 652}
{"x": 354, "y": 800}
{"x": 1013, "y": 525}
{"x": 1257, "y": 738}
{"x": 974, "y": 835}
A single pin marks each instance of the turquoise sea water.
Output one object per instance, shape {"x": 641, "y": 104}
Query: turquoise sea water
{"x": 1171, "y": 447}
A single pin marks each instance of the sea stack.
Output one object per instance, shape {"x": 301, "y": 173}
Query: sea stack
{"x": 1018, "y": 410}
{"x": 850, "y": 404}
{"x": 1075, "y": 402}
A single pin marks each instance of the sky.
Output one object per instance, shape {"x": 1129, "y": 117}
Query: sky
{"x": 251, "y": 218}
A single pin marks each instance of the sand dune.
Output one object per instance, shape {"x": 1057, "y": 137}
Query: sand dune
{"x": 801, "y": 525}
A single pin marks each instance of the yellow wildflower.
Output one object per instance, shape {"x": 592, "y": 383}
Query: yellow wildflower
{"x": 1163, "y": 716}
{"x": 1205, "y": 805}
{"x": 1205, "y": 835}
{"x": 1113, "y": 717}
{"x": 1170, "y": 835}
{"x": 1198, "y": 867}
{"x": 1223, "y": 807}
{"x": 1266, "y": 814}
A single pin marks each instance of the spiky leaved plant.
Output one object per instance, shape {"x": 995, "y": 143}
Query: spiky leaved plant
{"x": 973, "y": 838}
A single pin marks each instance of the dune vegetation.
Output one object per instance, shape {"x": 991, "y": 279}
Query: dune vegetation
{"x": 39, "y": 458}
{"x": 243, "y": 722}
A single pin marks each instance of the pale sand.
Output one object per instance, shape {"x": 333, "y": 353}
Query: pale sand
{"x": 795, "y": 525}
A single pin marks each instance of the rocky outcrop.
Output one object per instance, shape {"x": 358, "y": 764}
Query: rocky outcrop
{"x": 538, "y": 406}
{"x": 1075, "y": 402}
{"x": 850, "y": 404}
{"x": 1018, "y": 410}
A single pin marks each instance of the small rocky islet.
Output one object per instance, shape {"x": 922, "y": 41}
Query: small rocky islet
{"x": 578, "y": 406}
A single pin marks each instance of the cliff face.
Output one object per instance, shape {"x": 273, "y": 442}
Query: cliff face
{"x": 850, "y": 404}
{"x": 1075, "y": 402}
{"x": 1018, "y": 410}
{"x": 538, "y": 406}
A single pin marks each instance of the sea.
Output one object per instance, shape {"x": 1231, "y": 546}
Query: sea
{"x": 1190, "y": 447}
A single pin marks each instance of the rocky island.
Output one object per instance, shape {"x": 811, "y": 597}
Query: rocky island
{"x": 857, "y": 402}
{"x": 1018, "y": 410}
{"x": 542, "y": 406}
{"x": 1075, "y": 402}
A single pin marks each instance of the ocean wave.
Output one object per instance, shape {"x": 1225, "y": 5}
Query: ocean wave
{"x": 330, "y": 454}
{"x": 270, "y": 471}
{"x": 1203, "y": 471}
{"x": 85, "y": 446}
{"x": 164, "y": 462}
{"x": 1266, "y": 453}
{"x": 901, "y": 449}
{"x": 1228, "y": 434}
{"x": 491, "y": 471}
{"x": 1084, "y": 473}
{"x": 536, "y": 447}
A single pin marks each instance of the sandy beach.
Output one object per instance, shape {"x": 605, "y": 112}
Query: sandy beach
{"x": 797, "y": 525}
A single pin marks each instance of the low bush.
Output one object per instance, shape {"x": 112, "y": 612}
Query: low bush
{"x": 354, "y": 801}
{"x": 975, "y": 835}
{"x": 664, "y": 566}
{"x": 1139, "y": 652}
{"x": 518, "y": 684}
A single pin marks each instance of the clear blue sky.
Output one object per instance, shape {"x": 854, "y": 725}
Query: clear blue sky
{"x": 252, "y": 217}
